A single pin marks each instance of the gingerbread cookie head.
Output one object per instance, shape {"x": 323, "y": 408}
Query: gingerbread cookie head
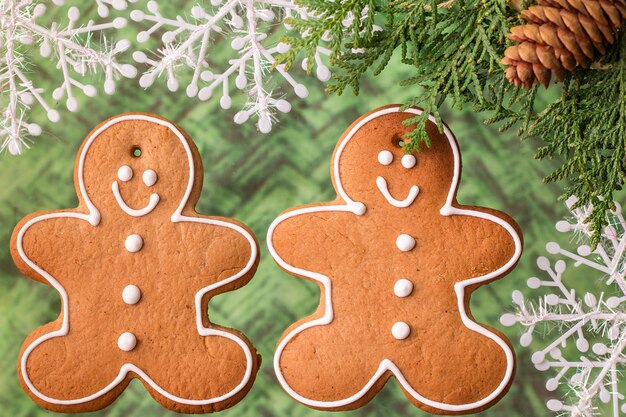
{"x": 396, "y": 258}
{"x": 135, "y": 267}
{"x": 370, "y": 165}
{"x": 138, "y": 166}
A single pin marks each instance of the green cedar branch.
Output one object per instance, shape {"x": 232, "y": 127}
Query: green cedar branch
{"x": 586, "y": 127}
{"x": 453, "y": 50}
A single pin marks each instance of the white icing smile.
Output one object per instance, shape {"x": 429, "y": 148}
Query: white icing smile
{"x": 125, "y": 173}
{"x": 382, "y": 186}
{"x": 154, "y": 200}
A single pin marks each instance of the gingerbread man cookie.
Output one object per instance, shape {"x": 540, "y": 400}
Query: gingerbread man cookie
{"x": 135, "y": 267}
{"x": 396, "y": 258}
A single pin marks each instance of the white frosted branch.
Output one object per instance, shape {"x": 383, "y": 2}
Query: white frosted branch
{"x": 188, "y": 44}
{"x": 593, "y": 377}
{"x": 68, "y": 48}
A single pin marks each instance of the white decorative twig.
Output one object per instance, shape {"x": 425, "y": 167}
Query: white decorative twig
{"x": 104, "y": 6}
{"x": 593, "y": 321}
{"x": 189, "y": 44}
{"x": 69, "y": 47}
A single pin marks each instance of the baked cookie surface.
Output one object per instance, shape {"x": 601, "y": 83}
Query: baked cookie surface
{"x": 396, "y": 259}
{"x": 135, "y": 267}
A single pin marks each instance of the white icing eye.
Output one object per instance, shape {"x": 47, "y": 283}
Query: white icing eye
{"x": 149, "y": 177}
{"x": 385, "y": 157}
{"x": 408, "y": 161}
{"x": 125, "y": 173}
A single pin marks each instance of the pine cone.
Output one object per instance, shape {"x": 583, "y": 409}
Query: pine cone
{"x": 559, "y": 36}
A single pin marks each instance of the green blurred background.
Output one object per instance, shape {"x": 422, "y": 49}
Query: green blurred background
{"x": 253, "y": 177}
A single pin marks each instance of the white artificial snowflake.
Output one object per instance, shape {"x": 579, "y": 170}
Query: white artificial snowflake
{"x": 189, "y": 43}
{"x": 585, "y": 337}
{"x": 69, "y": 47}
{"x": 105, "y": 5}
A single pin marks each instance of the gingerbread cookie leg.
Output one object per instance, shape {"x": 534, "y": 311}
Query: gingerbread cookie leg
{"x": 66, "y": 373}
{"x": 473, "y": 368}
{"x": 220, "y": 355}
{"x": 323, "y": 367}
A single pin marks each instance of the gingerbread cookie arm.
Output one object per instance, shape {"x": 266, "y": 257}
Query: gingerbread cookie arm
{"x": 38, "y": 237}
{"x": 495, "y": 241}
{"x": 229, "y": 254}
{"x": 312, "y": 238}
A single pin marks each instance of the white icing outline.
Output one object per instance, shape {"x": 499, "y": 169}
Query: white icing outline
{"x": 381, "y": 183}
{"x": 93, "y": 217}
{"x": 387, "y": 365}
{"x": 154, "y": 200}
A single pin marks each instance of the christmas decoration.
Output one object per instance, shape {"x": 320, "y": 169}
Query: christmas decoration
{"x": 585, "y": 335}
{"x": 247, "y": 26}
{"x": 560, "y": 36}
{"x": 452, "y": 51}
{"x": 71, "y": 49}
{"x": 104, "y": 6}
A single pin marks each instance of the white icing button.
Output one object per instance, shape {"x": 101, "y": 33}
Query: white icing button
{"x": 385, "y": 157}
{"x": 149, "y": 177}
{"x": 408, "y": 161}
{"x": 400, "y": 330}
{"x": 127, "y": 342}
{"x": 133, "y": 243}
{"x": 125, "y": 173}
{"x": 403, "y": 287}
{"x": 131, "y": 294}
{"x": 405, "y": 242}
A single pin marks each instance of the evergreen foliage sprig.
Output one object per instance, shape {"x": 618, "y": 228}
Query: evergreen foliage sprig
{"x": 454, "y": 50}
{"x": 587, "y": 125}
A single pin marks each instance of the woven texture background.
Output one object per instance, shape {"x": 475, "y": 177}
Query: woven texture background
{"x": 253, "y": 177}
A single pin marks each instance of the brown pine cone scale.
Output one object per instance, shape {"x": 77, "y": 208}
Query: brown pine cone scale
{"x": 559, "y": 36}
